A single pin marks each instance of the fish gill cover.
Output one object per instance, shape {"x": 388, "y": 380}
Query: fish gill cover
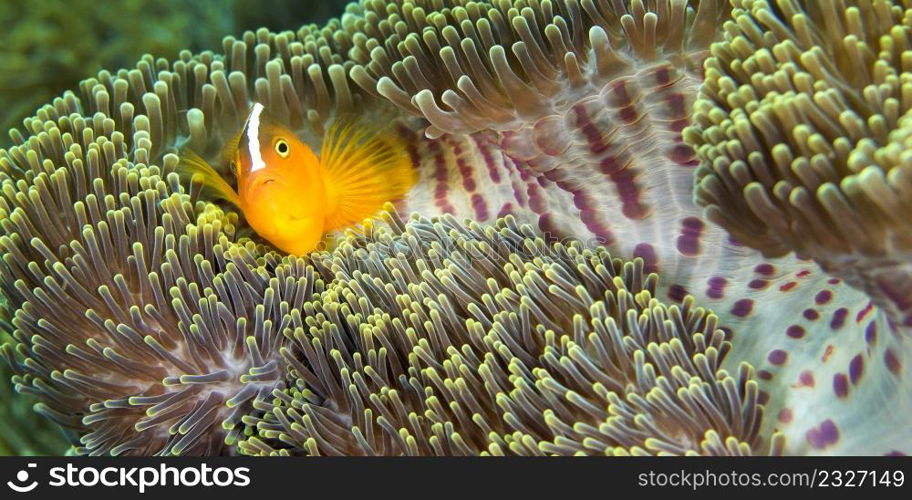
{"x": 742, "y": 162}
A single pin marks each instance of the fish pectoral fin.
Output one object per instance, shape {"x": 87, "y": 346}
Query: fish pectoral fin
{"x": 364, "y": 168}
{"x": 195, "y": 168}
{"x": 228, "y": 152}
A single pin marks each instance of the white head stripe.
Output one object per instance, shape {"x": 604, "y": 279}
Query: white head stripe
{"x": 253, "y": 138}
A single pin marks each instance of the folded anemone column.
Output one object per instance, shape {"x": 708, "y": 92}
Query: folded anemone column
{"x": 567, "y": 115}
{"x": 804, "y": 127}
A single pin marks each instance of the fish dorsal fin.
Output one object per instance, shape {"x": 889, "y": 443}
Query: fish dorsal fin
{"x": 192, "y": 167}
{"x": 364, "y": 168}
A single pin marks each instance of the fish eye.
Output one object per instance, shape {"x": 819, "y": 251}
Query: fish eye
{"x": 282, "y": 148}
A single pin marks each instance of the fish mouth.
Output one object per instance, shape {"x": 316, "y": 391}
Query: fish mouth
{"x": 299, "y": 217}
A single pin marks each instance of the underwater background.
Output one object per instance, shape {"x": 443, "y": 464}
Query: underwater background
{"x": 640, "y": 227}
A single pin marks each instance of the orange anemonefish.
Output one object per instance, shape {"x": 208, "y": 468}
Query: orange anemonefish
{"x": 291, "y": 197}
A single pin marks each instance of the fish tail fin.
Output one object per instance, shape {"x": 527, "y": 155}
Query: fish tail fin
{"x": 364, "y": 168}
{"x": 195, "y": 168}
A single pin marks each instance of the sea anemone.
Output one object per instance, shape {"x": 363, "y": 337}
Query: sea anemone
{"x": 437, "y": 338}
{"x": 143, "y": 337}
{"x": 803, "y": 126}
{"x": 148, "y": 319}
